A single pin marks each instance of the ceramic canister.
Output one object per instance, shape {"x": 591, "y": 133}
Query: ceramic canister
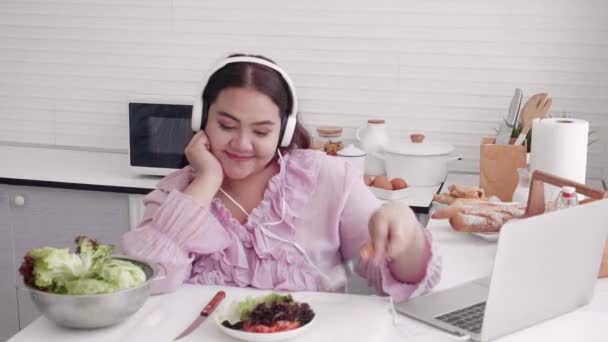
{"x": 372, "y": 138}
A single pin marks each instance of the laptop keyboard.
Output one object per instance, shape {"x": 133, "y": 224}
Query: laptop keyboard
{"x": 469, "y": 318}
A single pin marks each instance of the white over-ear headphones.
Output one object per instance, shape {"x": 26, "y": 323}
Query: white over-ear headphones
{"x": 290, "y": 124}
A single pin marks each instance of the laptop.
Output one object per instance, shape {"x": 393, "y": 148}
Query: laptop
{"x": 545, "y": 266}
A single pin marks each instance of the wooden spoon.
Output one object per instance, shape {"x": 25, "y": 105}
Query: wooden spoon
{"x": 536, "y": 108}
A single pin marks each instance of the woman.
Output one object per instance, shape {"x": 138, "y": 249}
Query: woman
{"x": 255, "y": 207}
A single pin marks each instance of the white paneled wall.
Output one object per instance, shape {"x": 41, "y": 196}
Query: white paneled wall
{"x": 443, "y": 67}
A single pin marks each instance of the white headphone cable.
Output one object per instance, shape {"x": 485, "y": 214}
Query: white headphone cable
{"x": 234, "y": 202}
{"x": 330, "y": 285}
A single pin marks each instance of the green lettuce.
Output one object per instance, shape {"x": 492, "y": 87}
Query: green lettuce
{"x": 89, "y": 286}
{"x": 246, "y": 306}
{"x": 54, "y": 266}
{"x": 94, "y": 255}
{"x": 122, "y": 273}
{"x": 91, "y": 270}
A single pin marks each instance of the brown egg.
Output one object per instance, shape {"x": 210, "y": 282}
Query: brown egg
{"x": 382, "y": 182}
{"x": 368, "y": 180}
{"x": 398, "y": 183}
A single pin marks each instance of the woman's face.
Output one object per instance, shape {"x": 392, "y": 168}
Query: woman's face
{"x": 243, "y": 127}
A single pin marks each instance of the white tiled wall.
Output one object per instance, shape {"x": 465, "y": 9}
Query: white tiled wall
{"x": 443, "y": 67}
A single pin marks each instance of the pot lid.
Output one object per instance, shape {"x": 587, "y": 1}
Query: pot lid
{"x": 351, "y": 151}
{"x": 419, "y": 146}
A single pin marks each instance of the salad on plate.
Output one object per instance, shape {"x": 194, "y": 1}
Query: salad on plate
{"x": 270, "y": 314}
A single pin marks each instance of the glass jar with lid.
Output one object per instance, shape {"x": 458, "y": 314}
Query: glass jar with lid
{"x": 331, "y": 137}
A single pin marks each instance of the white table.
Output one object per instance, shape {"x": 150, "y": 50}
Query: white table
{"x": 467, "y": 257}
{"x": 348, "y": 317}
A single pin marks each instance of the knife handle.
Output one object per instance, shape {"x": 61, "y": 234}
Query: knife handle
{"x": 208, "y": 309}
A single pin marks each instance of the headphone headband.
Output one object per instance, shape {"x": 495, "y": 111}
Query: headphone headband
{"x": 290, "y": 124}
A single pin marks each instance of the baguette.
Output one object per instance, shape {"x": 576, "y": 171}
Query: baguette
{"x": 459, "y": 192}
{"x": 444, "y": 198}
{"x": 465, "y": 191}
{"x": 480, "y": 217}
{"x": 450, "y": 200}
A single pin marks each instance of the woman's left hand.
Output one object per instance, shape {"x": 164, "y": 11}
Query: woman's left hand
{"x": 393, "y": 230}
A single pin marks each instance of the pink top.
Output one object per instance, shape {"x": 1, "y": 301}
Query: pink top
{"x": 326, "y": 214}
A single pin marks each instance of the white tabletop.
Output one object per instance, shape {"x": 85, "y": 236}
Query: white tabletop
{"x": 351, "y": 317}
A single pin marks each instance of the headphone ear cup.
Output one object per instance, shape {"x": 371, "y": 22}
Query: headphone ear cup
{"x": 197, "y": 114}
{"x": 204, "y": 115}
{"x": 290, "y": 127}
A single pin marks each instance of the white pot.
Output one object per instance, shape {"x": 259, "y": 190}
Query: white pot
{"x": 418, "y": 162}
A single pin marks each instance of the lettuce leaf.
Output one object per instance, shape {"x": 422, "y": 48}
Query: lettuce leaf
{"x": 245, "y": 307}
{"x": 91, "y": 270}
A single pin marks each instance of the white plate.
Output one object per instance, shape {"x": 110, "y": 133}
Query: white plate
{"x": 438, "y": 205}
{"x": 229, "y": 312}
{"x": 490, "y": 237}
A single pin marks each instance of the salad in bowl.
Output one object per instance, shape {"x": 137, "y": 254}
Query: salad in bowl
{"x": 91, "y": 288}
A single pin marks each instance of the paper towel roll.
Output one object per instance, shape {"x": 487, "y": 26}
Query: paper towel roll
{"x": 559, "y": 146}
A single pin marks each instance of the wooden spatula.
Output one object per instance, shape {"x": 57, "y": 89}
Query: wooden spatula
{"x": 537, "y": 107}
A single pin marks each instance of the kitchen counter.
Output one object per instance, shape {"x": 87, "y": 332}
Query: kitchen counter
{"x": 71, "y": 169}
{"x": 105, "y": 171}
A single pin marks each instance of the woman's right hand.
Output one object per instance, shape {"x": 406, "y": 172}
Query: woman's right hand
{"x": 208, "y": 169}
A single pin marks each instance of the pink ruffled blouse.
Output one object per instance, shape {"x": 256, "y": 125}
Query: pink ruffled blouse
{"x": 313, "y": 218}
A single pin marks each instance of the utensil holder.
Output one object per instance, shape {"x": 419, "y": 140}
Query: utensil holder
{"x": 498, "y": 166}
{"x": 536, "y": 201}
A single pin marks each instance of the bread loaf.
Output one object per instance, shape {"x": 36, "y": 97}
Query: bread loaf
{"x": 480, "y": 217}
{"x": 460, "y": 192}
{"x": 465, "y": 191}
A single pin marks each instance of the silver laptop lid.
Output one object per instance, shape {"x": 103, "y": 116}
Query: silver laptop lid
{"x": 545, "y": 266}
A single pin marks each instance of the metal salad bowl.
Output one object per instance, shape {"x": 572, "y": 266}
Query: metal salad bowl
{"x": 98, "y": 310}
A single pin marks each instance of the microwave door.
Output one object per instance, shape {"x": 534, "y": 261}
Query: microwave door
{"x": 159, "y": 135}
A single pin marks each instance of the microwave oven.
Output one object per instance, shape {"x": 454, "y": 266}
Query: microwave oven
{"x": 159, "y": 131}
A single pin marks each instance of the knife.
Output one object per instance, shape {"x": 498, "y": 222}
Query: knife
{"x": 206, "y": 312}
{"x": 508, "y": 123}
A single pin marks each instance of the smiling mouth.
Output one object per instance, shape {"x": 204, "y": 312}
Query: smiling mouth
{"x": 238, "y": 157}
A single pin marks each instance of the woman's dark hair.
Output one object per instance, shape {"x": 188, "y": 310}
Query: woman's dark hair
{"x": 263, "y": 79}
